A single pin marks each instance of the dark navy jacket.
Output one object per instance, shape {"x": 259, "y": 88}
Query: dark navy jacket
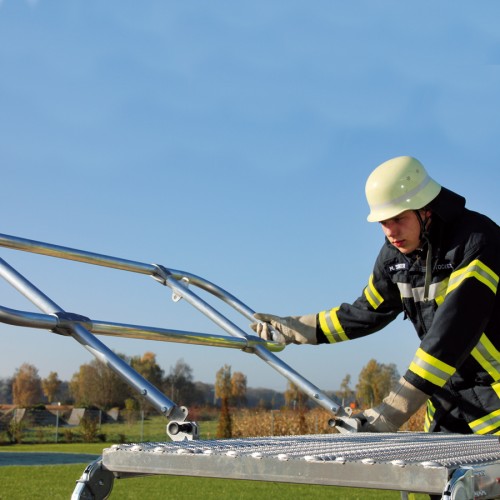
{"x": 458, "y": 360}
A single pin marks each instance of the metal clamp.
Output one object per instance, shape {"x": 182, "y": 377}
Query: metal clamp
{"x": 65, "y": 319}
{"x": 344, "y": 421}
{"x": 183, "y": 431}
{"x": 180, "y": 430}
{"x": 162, "y": 274}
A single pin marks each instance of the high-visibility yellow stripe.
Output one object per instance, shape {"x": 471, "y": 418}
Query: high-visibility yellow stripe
{"x": 331, "y": 327}
{"x": 439, "y": 300}
{"x": 441, "y": 365}
{"x": 476, "y": 269}
{"x": 336, "y": 323}
{"x": 429, "y": 415}
{"x": 372, "y": 295}
{"x": 324, "y": 327}
{"x": 430, "y": 368}
{"x": 439, "y": 381}
{"x": 487, "y": 424}
{"x": 496, "y": 387}
{"x": 486, "y": 354}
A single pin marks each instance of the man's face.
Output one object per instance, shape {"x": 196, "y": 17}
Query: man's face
{"x": 403, "y": 231}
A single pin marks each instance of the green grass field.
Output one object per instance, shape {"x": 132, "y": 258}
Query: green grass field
{"x": 58, "y": 482}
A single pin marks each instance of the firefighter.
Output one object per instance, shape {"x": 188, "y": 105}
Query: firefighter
{"x": 439, "y": 266}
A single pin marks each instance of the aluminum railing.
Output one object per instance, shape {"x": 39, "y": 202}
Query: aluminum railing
{"x": 82, "y": 328}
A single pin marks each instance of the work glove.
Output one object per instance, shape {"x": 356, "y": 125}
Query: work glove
{"x": 395, "y": 409}
{"x": 291, "y": 329}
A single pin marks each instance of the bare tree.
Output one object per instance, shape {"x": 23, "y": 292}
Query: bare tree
{"x": 26, "y": 386}
{"x": 179, "y": 383}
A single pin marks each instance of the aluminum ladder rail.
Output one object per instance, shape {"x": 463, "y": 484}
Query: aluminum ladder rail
{"x": 81, "y": 327}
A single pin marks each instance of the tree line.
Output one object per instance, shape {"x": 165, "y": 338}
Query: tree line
{"x": 96, "y": 385}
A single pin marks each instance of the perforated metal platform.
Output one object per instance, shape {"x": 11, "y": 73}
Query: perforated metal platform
{"x": 416, "y": 462}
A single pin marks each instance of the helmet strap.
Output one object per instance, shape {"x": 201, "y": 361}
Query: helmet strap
{"x": 424, "y": 236}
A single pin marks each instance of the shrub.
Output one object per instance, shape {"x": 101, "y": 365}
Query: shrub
{"x": 254, "y": 423}
{"x": 69, "y": 435}
{"x": 89, "y": 429}
{"x": 15, "y": 431}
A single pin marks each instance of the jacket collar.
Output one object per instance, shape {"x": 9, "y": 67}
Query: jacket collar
{"x": 447, "y": 205}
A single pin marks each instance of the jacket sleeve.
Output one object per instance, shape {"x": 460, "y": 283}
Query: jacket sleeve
{"x": 459, "y": 325}
{"x": 377, "y": 306}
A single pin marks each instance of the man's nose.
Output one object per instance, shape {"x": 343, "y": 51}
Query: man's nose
{"x": 389, "y": 228}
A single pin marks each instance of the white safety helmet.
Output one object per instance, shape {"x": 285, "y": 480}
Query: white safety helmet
{"x": 397, "y": 185}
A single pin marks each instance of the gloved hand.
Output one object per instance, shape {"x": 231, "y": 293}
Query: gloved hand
{"x": 395, "y": 410}
{"x": 292, "y": 329}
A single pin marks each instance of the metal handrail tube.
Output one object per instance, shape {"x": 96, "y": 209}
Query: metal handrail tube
{"x": 90, "y": 342}
{"x": 73, "y": 254}
{"x": 28, "y": 319}
{"x": 62, "y": 252}
{"x": 52, "y": 322}
{"x": 178, "y": 336}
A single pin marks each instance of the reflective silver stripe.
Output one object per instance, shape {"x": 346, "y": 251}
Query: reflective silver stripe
{"x": 476, "y": 269}
{"x": 405, "y": 290}
{"x": 404, "y": 197}
{"x": 487, "y": 424}
{"x": 371, "y": 298}
{"x": 372, "y": 295}
{"x": 436, "y": 290}
{"x": 430, "y": 368}
{"x": 331, "y": 327}
{"x": 495, "y": 364}
{"x": 487, "y": 355}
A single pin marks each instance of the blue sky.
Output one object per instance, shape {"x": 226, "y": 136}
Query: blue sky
{"x": 231, "y": 140}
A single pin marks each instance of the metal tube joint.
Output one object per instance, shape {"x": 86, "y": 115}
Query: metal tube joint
{"x": 65, "y": 320}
